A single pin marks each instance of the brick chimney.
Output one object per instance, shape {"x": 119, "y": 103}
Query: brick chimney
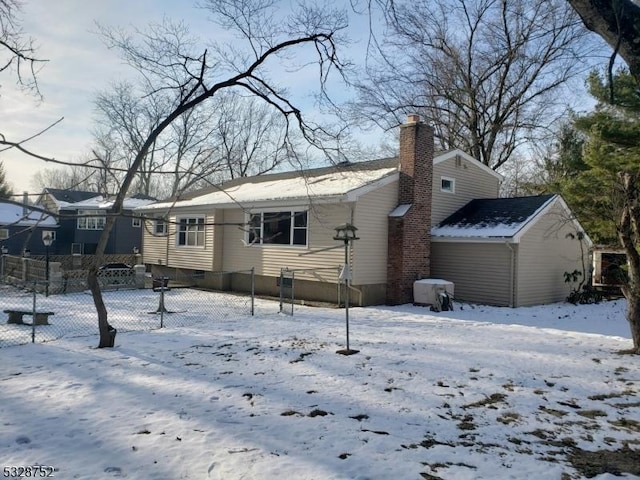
{"x": 409, "y": 235}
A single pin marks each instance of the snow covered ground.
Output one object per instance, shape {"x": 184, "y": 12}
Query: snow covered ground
{"x": 477, "y": 393}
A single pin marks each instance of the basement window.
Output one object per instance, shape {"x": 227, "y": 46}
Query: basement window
{"x": 278, "y": 228}
{"x": 447, "y": 185}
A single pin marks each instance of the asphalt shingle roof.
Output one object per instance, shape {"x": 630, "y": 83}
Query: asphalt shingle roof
{"x": 495, "y": 217}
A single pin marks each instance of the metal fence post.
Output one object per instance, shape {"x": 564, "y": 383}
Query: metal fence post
{"x": 253, "y": 290}
{"x": 281, "y": 288}
{"x": 293, "y": 296}
{"x": 33, "y": 316}
{"x": 162, "y": 309}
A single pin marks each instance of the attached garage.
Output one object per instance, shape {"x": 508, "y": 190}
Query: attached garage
{"x": 510, "y": 251}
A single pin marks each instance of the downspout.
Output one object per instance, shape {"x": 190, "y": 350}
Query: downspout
{"x": 512, "y": 274}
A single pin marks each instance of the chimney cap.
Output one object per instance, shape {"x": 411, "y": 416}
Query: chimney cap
{"x": 413, "y": 118}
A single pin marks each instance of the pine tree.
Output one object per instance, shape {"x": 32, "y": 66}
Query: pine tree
{"x": 5, "y": 191}
{"x": 607, "y": 192}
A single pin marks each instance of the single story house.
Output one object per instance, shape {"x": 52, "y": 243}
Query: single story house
{"x": 22, "y": 229}
{"x": 286, "y": 221}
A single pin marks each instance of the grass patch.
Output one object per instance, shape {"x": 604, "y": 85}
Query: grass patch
{"x": 509, "y": 417}
{"x": 615, "y": 462}
{"x": 592, "y": 413}
{"x": 553, "y": 411}
{"x": 606, "y": 396}
{"x": 290, "y": 413}
{"x": 627, "y": 424}
{"x": 490, "y": 400}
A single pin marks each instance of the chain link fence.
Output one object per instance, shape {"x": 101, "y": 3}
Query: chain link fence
{"x": 41, "y": 311}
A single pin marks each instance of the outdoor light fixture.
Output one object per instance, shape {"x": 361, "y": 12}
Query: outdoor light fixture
{"x": 136, "y": 250}
{"x": 47, "y": 239}
{"x": 347, "y": 234}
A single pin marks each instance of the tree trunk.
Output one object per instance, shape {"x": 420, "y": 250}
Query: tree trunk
{"x": 107, "y": 332}
{"x": 618, "y": 23}
{"x": 628, "y": 226}
{"x": 633, "y": 316}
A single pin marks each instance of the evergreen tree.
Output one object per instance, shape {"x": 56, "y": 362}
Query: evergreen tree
{"x": 5, "y": 191}
{"x": 606, "y": 194}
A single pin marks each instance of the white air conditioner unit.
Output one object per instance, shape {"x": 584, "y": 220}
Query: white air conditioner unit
{"x": 426, "y": 291}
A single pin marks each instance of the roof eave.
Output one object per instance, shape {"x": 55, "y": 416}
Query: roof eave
{"x": 459, "y": 239}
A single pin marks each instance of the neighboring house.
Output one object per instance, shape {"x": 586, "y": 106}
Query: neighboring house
{"x": 287, "y": 220}
{"x": 609, "y": 267}
{"x": 22, "y": 228}
{"x": 82, "y": 215}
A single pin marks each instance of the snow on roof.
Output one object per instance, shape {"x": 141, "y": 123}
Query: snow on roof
{"x": 11, "y": 214}
{"x": 64, "y": 198}
{"x": 400, "y": 210}
{"x": 101, "y": 203}
{"x": 492, "y": 218}
{"x": 327, "y": 183}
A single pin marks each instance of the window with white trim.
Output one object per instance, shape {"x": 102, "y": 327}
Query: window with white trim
{"x": 191, "y": 232}
{"x": 91, "y": 220}
{"x": 4, "y": 233}
{"x": 289, "y": 227}
{"x": 448, "y": 184}
{"x": 160, "y": 227}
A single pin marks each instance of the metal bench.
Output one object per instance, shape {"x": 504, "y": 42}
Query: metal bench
{"x": 15, "y": 317}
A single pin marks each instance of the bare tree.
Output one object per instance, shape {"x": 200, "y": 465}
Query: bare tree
{"x": 68, "y": 177}
{"x": 17, "y": 51}
{"x": 190, "y": 77}
{"x": 236, "y": 137}
{"x": 250, "y": 136}
{"x": 487, "y": 73}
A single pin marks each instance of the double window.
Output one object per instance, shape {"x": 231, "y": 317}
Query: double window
{"x": 191, "y": 232}
{"x": 91, "y": 219}
{"x": 278, "y": 228}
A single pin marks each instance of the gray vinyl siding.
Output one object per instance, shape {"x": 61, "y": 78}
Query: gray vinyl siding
{"x": 471, "y": 182}
{"x": 371, "y": 218}
{"x": 480, "y": 272}
{"x": 269, "y": 259}
{"x": 545, "y": 255}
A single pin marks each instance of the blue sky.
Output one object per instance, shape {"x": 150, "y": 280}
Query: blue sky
{"x": 79, "y": 66}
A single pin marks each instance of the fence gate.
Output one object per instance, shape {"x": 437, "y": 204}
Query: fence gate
{"x": 287, "y": 290}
